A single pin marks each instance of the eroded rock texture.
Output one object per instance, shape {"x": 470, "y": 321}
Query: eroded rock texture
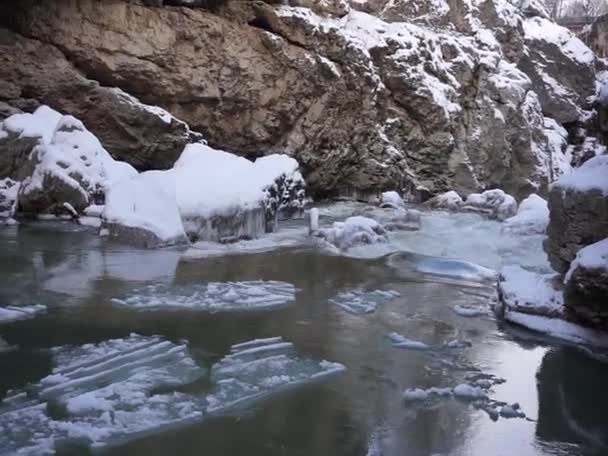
{"x": 450, "y": 99}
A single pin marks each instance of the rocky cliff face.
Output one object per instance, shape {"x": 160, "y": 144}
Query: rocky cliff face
{"x": 417, "y": 95}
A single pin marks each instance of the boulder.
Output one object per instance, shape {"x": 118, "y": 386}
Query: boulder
{"x": 578, "y": 212}
{"x": 586, "y": 291}
{"x": 33, "y": 73}
{"x": 496, "y": 204}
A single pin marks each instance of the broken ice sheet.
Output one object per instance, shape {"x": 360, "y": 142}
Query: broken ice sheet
{"x": 212, "y": 297}
{"x": 102, "y": 394}
{"x": 361, "y": 302}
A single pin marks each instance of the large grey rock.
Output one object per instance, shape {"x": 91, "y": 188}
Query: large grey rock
{"x": 33, "y": 73}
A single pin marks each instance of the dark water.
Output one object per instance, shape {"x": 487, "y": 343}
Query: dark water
{"x": 563, "y": 390}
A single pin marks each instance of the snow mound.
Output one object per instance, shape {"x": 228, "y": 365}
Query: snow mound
{"x": 593, "y": 256}
{"x": 360, "y": 302}
{"x": 144, "y": 208}
{"x": 212, "y": 297}
{"x": 13, "y": 313}
{"x": 108, "y": 392}
{"x": 400, "y": 341}
{"x": 591, "y": 175}
{"x": 353, "y": 231}
{"x": 532, "y": 216}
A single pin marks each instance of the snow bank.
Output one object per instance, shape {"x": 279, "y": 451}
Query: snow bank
{"x": 532, "y": 216}
{"x": 212, "y": 297}
{"x": 593, "y": 256}
{"x": 529, "y": 292}
{"x": 144, "y": 210}
{"x": 591, "y": 175}
{"x": 353, "y": 231}
{"x": 363, "y": 302}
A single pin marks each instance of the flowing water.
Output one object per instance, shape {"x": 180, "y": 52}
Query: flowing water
{"x": 394, "y": 321}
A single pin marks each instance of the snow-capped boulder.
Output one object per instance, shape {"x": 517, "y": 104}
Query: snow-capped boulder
{"x": 586, "y": 294}
{"x": 143, "y": 211}
{"x": 450, "y": 201}
{"x": 578, "y": 212}
{"x": 68, "y": 165}
{"x": 532, "y": 216}
{"x": 495, "y": 203}
{"x": 392, "y": 200}
{"x": 353, "y": 231}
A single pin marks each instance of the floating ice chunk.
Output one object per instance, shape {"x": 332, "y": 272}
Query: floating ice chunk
{"x": 362, "y": 302}
{"x": 212, "y": 297}
{"x": 415, "y": 394}
{"x": 511, "y": 411}
{"x": 259, "y": 368}
{"x": 13, "y": 313}
{"x": 467, "y": 391}
{"x": 106, "y": 390}
{"x": 353, "y": 231}
{"x": 403, "y": 342}
{"x": 457, "y": 343}
{"x": 469, "y": 311}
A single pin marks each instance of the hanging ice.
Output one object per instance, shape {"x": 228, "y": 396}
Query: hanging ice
{"x": 212, "y": 297}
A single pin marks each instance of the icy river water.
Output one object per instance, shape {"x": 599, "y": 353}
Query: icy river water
{"x": 280, "y": 347}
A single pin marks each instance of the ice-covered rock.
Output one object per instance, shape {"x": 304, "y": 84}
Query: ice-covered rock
{"x": 363, "y": 302}
{"x": 13, "y": 313}
{"x": 586, "y": 292}
{"x": 450, "y": 201}
{"x": 578, "y": 212}
{"x": 66, "y": 165}
{"x": 143, "y": 211}
{"x": 532, "y": 216}
{"x": 122, "y": 389}
{"x": 8, "y": 197}
{"x": 211, "y": 297}
{"x": 392, "y": 200}
{"x": 495, "y": 203}
{"x": 353, "y": 231}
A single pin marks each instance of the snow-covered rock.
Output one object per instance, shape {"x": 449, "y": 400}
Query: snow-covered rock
{"x": 495, "y": 203}
{"x": 209, "y": 194}
{"x": 8, "y": 198}
{"x": 353, "y": 231}
{"x": 67, "y": 163}
{"x": 532, "y": 216}
{"x": 578, "y": 212}
{"x": 143, "y": 211}
{"x": 586, "y": 293}
{"x": 450, "y": 201}
{"x": 391, "y": 199}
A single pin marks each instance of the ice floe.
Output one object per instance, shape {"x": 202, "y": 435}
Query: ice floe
{"x": 469, "y": 311}
{"x": 400, "y": 341}
{"x": 361, "y": 301}
{"x": 211, "y": 297}
{"x": 108, "y": 393}
{"x": 13, "y": 313}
